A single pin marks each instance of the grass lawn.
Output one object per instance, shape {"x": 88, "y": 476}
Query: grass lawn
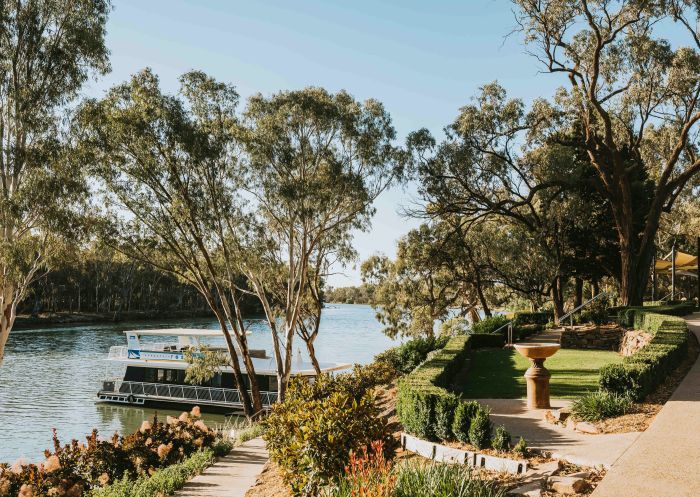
{"x": 498, "y": 373}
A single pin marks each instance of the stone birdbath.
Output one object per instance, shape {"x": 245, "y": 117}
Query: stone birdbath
{"x": 537, "y": 375}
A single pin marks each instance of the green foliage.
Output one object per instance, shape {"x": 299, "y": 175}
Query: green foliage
{"x": 445, "y": 406}
{"x": 597, "y": 312}
{"x": 489, "y": 325}
{"x": 204, "y": 363}
{"x": 417, "y": 479}
{"x": 501, "y": 439}
{"x": 480, "y": 429}
{"x": 418, "y": 392}
{"x": 120, "y": 461}
{"x": 540, "y": 317}
{"x": 520, "y": 448}
{"x": 640, "y": 373}
{"x": 349, "y": 294}
{"x": 164, "y": 481}
{"x": 596, "y": 406}
{"x": 482, "y": 340}
{"x": 407, "y": 356}
{"x": 464, "y": 413}
{"x": 311, "y": 434}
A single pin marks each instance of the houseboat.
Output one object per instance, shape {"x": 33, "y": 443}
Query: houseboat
{"x": 155, "y": 372}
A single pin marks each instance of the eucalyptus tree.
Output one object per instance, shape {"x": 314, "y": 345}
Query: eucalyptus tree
{"x": 315, "y": 162}
{"x": 48, "y": 49}
{"x": 632, "y": 99}
{"x": 168, "y": 168}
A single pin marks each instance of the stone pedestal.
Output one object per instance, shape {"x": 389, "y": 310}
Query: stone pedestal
{"x": 537, "y": 377}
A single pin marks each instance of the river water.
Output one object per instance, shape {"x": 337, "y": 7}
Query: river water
{"x": 50, "y": 376}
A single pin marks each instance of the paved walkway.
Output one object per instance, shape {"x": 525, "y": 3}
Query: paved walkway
{"x": 232, "y": 475}
{"x": 665, "y": 460}
{"x": 563, "y": 443}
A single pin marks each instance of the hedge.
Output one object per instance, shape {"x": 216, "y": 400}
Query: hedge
{"x": 422, "y": 396}
{"x": 428, "y": 410}
{"x": 640, "y": 373}
{"x": 539, "y": 317}
{"x": 480, "y": 340}
{"x": 626, "y": 314}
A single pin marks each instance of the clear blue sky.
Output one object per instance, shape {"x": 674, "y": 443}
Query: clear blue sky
{"x": 423, "y": 60}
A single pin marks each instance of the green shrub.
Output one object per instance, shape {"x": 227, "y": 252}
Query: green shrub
{"x": 489, "y": 325}
{"x": 464, "y": 413}
{"x": 311, "y": 434}
{"x": 540, "y": 318}
{"x": 418, "y": 392}
{"x": 164, "y": 481}
{"x": 445, "y": 406}
{"x": 640, "y": 373}
{"x": 406, "y": 357}
{"x": 415, "y": 479}
{"x": 599, "y": 405}
{"x": 501, "y": 439}
{"x": 481, "y": 340}
{"x": 520, "y": 448}
{"x": 480, "y": 429}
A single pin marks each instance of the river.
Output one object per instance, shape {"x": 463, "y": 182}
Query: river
{"x": 50, "y": 376}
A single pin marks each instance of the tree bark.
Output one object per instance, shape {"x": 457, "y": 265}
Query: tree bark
{"x": 578, "y": 292}
{"x": 557, "y": 298}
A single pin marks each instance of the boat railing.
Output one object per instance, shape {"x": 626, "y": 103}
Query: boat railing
{"x": 118, "y": 352}
{"x": 165, "y": 391}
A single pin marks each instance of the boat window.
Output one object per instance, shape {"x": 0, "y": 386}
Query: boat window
{"x": 271, "y": 383}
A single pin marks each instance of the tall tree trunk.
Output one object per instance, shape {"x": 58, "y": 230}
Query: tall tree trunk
{"x": 578, "y": 292}
{"x": 482, "y": 298}
{"x": 557, "y": 298}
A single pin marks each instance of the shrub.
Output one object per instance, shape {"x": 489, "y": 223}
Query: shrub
{"x": 418, "y": 392}
{"x": 164, "y": 481}
{"x": 520, "y": 448}
{"x": 464, "y": 413}
{"x": 489, "y": 325}
{"x": 445, "y": 406}
{"x": 406, "y": 357}
{"x": 540, "y": 318}
{"x": 310, "y": 435}
{"x": 415, "y": 479}
{"x": 481, "y": 340}
{"x": 501, "y": 439}
{"x": 367, "y": 474}
{"x": 640, "y": 373}
{"x": 600, "y": 405}
{"x": 480, "y": 429}
{"x": 76, "y": 468}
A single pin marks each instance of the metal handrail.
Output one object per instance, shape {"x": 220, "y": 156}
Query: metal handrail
{"x": 670, "y": 296}
{"x": 509, "y": 333}
{"x": 571, "y": 313}
{"x": 189, "y": 392}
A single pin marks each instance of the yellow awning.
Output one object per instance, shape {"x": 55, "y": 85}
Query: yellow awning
{"x": 684, "y": 262}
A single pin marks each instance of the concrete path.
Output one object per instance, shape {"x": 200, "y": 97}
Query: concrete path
{"x": 563, "y": 443}
{"x": 232, "y": 475}
{"x": 665, "y": 460}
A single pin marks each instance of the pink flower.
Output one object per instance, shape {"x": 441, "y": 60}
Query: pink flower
{"x": 200, "y": 424}
{"x": 145, "y": 426}
{"x": 170, "y": 420}
{"x": 103, "y": 479}
{"x": 4, "y": 487}
{"x": 195, "y": 412}
{"x": 163, "y": 450}
{"x": 52, "y": 464}
{"x": 184, "y": 417}
{"x": 17, "y": 466}
{"x": 26, "y": 491}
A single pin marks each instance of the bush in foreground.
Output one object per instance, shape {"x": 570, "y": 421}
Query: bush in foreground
{"x": 371, "y": 475}
{"x": 406, "y": 357}
{"x": 312, "y": 433}
{"x": 501, "y": 439}
{"x": 600, "y": 405}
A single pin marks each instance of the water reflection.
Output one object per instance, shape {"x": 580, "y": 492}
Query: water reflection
{"x": 50, "y": 377}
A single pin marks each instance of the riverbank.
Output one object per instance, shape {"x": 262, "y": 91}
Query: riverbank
{"x": 47, "y": 320}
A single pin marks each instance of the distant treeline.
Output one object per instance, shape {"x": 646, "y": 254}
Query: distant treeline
{"x": 104, "y": 282}
{"x": 350, "y": 294}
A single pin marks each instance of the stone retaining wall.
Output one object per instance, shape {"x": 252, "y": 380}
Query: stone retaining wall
{"x": 597, "y": 337}
{"x": 634, "y": 340}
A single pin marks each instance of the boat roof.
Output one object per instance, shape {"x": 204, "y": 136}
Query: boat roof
{"x": 169, "y": 332}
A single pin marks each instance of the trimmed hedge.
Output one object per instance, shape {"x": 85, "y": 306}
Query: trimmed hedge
{"x": 626, "y": 315}
{"x": 422, "y": 394}
{"x": 428, "y": 410}
{"x": 640, "y": 373}
{"x": 481, "y": 340}
{"x": 539, "y": 317}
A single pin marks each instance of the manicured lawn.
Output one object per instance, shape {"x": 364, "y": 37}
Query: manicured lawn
{"x": 498, "y": 373}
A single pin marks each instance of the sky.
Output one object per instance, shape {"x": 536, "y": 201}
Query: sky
{"x": 422, "y": 60}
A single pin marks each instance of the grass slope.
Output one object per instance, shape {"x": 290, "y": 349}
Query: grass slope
{"x": 498, "y": 373}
